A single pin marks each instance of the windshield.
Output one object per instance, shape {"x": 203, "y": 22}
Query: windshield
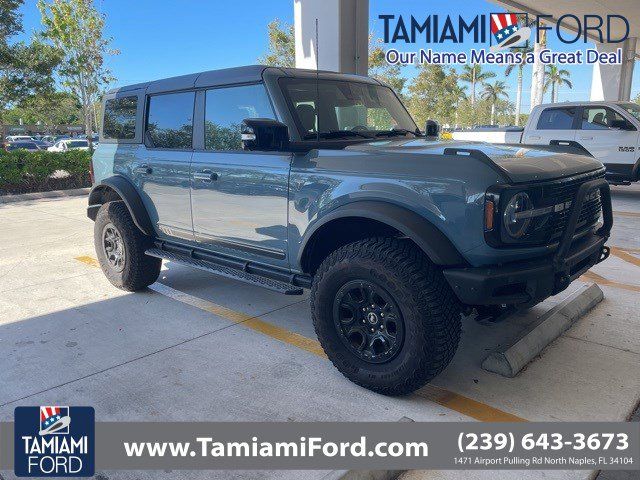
{"x": 77, "y": 143}
{"x": 632, "y": 109}
{"x": 346, "y": 109}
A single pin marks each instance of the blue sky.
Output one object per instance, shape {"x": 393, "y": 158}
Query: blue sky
{"x": 163, "y": 38}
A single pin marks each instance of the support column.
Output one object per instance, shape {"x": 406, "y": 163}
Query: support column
{"x": 343, "y": 35}
{"x": 613, "y": 82}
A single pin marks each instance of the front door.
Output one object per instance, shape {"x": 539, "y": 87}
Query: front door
{"x": 239, "y": 198}
{"x": 554, "y": 124}
{"x": 612, "y": 146}
{"x": 163, "y": 165}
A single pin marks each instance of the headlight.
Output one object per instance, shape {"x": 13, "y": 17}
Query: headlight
{"x": 517, "y": 215}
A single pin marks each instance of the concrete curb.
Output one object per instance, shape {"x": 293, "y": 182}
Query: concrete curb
{"x": 24, "y": 197}
{"x": 510, "y": 360}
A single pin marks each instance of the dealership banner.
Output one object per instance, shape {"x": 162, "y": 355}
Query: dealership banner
{"x": 272, "y": 445}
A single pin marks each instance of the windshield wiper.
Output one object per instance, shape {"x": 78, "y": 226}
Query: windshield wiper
{"x": 396, "y": 131}
{"x": 337, "y": 134}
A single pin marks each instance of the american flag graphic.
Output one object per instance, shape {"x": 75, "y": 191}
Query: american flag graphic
{"x": 506, "y": 31}
{"x": 52, "y": 419}
{"x": 500, "y": 21}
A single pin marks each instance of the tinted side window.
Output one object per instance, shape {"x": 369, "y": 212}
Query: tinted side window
{"x": 557, "y": 119}
{"x": 599, "y": 118}
{"x": 225, "y": 110}
{"x": 170, "y": 120}
{"x": 120, "y": 118}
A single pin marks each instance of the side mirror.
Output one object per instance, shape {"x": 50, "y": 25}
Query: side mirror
{"x": 264, "y": 134}
{"x": 432, "y": 130}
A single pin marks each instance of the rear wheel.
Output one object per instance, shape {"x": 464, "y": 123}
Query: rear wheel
{"x": 120, "y": 248}
{"x": 384, "y": 314}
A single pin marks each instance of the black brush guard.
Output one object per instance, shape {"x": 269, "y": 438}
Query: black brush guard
{"x": 526, "y": 283}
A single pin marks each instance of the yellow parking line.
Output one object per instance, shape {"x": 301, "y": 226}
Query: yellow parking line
{"x": 252, "y": 322}
{"x": 630, "y": 250}
{"x": 627, "y": 214}
{"x": 610, "y": 283}
{"x": 451, "y": 400}
{"x": 92, "y": 262}
{"x": 467, "y": 406}
{"x": 235, "y": 317}
{"x": 626, "y": 256}
{"x": 286, "y": 336}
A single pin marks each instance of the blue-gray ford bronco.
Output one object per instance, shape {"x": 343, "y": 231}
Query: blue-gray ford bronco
{"x": 291, "y": 179}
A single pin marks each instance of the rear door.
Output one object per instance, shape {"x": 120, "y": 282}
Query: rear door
{"x": 555, "y": 124}
{"x": 239, "y": 198}
{"x": 612, "y": 146}
{"x": 161, "y": 168}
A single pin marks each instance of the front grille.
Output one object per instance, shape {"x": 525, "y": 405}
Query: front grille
{"x": 562, "y": 192}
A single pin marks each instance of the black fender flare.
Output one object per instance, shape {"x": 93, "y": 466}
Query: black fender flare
{"x": 427, "y": 236}
{"x": 129, "y": 195}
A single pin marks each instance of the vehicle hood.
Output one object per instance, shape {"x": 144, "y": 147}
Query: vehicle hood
{"x": 518, "y": 164}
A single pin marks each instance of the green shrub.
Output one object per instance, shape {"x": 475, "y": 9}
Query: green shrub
{"x": 23, "y": 171}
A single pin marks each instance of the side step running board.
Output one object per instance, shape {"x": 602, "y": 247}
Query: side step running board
{"x": 228, "y": 272}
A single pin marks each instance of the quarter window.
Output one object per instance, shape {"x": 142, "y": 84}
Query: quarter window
{"x": 225, "y": 110}
{"x": 557, "y": 119}
{"x": 170, "y": 121}
{"x": 120, "y": 118}
{"x": 599, "y": 118}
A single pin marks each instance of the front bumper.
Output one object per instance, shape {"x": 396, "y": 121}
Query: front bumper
{"x": 529, "y": 282}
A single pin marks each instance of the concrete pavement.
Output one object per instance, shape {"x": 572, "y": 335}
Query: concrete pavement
{"x": 221, "y": 350}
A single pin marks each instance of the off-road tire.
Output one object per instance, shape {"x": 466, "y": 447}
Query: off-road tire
{"x": 139, "y": 270}
{"x": 431, "y": 313}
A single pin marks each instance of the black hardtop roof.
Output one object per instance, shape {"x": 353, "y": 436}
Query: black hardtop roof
{"x": 229, "y": 76}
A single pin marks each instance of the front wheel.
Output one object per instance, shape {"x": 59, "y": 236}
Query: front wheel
{"x": 384, "y": 315}
{"x": 120, "y": 248}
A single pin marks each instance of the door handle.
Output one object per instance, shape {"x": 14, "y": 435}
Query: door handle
{"x": 534, "y": 137}
{"x": 205, "y": 176}
{"x": 143, "y": 169}
{"x": 586, "y": 138}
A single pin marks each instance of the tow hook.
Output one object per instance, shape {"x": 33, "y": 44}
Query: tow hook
{"x": 562, "y": 281}
{"x": 604, "y": 254}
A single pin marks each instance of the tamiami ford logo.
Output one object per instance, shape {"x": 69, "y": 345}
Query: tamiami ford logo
{"x": 507, "y": 35}
{"x": 54, "y": 441}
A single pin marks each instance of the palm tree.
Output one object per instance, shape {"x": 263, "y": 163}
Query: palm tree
{"x": 473, "y": 74}
{"x": 493, "y": 92}
{"x": 507, "y": 72}
{"x": 537, "y": 75}
{"x": 555, "y": 78}
{"x": 460, "y": 93}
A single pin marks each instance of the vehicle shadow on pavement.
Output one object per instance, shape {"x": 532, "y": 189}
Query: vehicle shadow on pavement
{"x": 128, "y": 355}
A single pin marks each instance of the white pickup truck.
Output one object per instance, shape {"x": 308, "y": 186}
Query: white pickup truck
{"x": 608, "y": 131}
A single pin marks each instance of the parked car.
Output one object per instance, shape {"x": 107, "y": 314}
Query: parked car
{"x": 42, "y": 144}
{"x": 239, "y": 173}
{"x": 608, "y": 131}
{"x": 22, "y": 145}
{"x": 69, "y": 144}
{"x": 94, "y": 137}
{"x": 18, "y": 138}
